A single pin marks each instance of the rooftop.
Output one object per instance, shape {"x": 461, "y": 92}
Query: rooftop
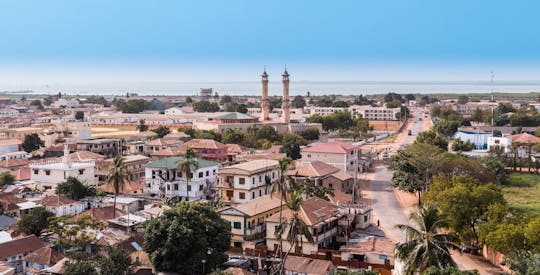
{"x": 235, "y": 115}
{"x": 45, "y": 256}
{"x": 57, "y": 200}
{"x": 258, "y": 205}
{"x": 307, "y": 265}
{"x": 315, "y": 169}
{"x": 20, "y": 246}
{"x": 252, "y": 165}
{"x": 203, "y": 144}
{"x": 7, "y": 142}
{"x": 313, "y": 211}
{"x": 172, "y": 163}
{"x": 335, "y": 147}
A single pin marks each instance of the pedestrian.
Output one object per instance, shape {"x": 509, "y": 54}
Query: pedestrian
{"x": 378, "y": 223}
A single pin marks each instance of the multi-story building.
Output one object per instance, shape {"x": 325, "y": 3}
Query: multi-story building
{"x": 323, "y": 220}
{"x": 246, "y": 181}
{"x": 323, "y": 174}
{"x": 19, "y": 133}
{"x": 163, "y": 178}
{"x": 8, "y": 146}
{"x": 344, "y": 156}
{"x": 7, "y": 113}
{"x": 132, "y": 163}
{"x": 376, "y": 113}
{"x": 248, "y": 219}
{"x": 106, "y": 147}
{"x": 155, "y": 145}
{"x": 207, "y": 149}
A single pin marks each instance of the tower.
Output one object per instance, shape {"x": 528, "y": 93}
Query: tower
{"x": 285, "y": 104}
{"x": 264, "y": 102}
{"x": 66, "y": 159}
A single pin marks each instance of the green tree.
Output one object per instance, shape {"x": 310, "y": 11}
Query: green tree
{"x": 208, "y": 134}
{"x": 268, "y": 132}
{"x": 189, "y": 100}
{"x": 80, "y": 267}
{"x": 115, "y": 261}
{"x": 233, "y": 136}
{"x": 478, "y": 115}
{"x": 34, "y": 221}
{"x": 281, "y": 187}
{"x": 225, "y": 99}
{"x": 432, "y": 138}
{"x": 460, "y": 145}
{"x": 192, "y": 232}
{"x": 425, "y": 246}
{"x": 32, "y": 142}
{"x": 6, "y": 178}
{"x": 465, "y": 202}
{"x": 186, "y": 166}
{"x": 205, "y": 106}
{"x": 37, "y": 103}
{"x": 74, "y": 189}
{"x": 79, "y": 115}
{"x": 463, "y": 99}
{"x": 433, "y": 270}
{"x": 291, "y": 145}
{"x": 310, "y": 134}
{"x": 97, "y": 100}
{"x": 132, "y": 106}
{"x": 308, "y": 188}
{"x": 446, "y": 128}
{"x": 356, "y": 272}
{"x": 117, "y": 177}
{"x": 299, "y": 102}
{"x": 162, "y": 131}
{"x": 340, "y": 104}
{"x": 527, "y": 264}
{"x": 142, "y": 127}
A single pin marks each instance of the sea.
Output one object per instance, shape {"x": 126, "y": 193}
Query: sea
{"x": 314, "y": 88}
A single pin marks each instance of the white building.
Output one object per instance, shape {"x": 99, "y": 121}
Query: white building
{"x": 8, "y": 146}
{"x": 174, "y": 111}
{"x": 66, "y": 103}
{"x": 7, "y": 113}
{"x": 48, "y": 174}
{"x": 61, "y": 205}
{"x": 477, "y": 137}
{"x": 502, "y": 142}
{"x": 162, "y": 177}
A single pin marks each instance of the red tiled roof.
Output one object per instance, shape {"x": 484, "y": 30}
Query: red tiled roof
{"x": 56, "y": 201}
{"x": 313, "y": 211}
{"x": 167, "y": 152}
{"x": 203, "y": 144}
{"x": 45, "y": 256}
{"x": 130, "y": 187}
{"x": 164, "y": 142}
{"x": 21, "y": 174}
{"x": 8, "y": 163}
{"x": 315, "y": 169}
{"x": 308, "y": 266}
{"x": 335, "y": 147}
{"x": 236, "y": 148}
{"x": 20, "y": 246}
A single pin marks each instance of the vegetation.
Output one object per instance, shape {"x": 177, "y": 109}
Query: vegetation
{"x": 205, "y": 106}
{"x": 117, "y": 177}
{"x": 186, "y": 167}
{"x": 310, "y": 134}
{"x": 32, "y": 142}
{"x": 74, "y": 189}
{"x": 359, "y": 272}
{"x": 460, "y": 145}
{"x": 192, "y": 232}
{"x": 161, "y": 131}
{"x": 37, "y": 103}
{"x": 433, "y": 270}
{"x": 522, "y": 191}
{"x": 80, "y": 267}
{"x": 142, "y": 127}
{"x": 425, "y": 245}
{"x": 432, "y": 138}
{"x": 308, "y": 188}
{"x": 298, "y": 102}
{"x": 97, "y": 100}
{"x": 79, "y": 115}
{"x": 6, "y": 178}
{"x": 34, "y": 221}
{"x": 132, "y": 106}
{"x": 291, "y": 145}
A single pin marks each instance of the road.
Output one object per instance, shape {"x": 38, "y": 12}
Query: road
{"x": 387, "y": 208}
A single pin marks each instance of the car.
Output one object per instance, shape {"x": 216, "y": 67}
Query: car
{"x": 410, "y": 133}
{"x": 385, "y": 155}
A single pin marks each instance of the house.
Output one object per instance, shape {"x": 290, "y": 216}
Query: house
{"x": 14, "y": 164}
{"x": 132, "y": 163}
{"x": 207, "y": 149}
{"x": 14, "y": 251}
{"x": 234, "y": 150}
{"x": 40, "y": 259}
{"x": 6, "y": 222}
{"x": 66, "y": 103}
{"x": 160, "y": 144}
{"x": 165, "y": 153}
{"x": 476, "y": 136}
{"x": 248, "y": 219}
{"x": 85, "y": 156}
{"x": 126, "y": 204}
{"x": 163, "y": 178}
{"x": 15, "y": 155}
{"x": 9, "y": 146}
{"x": 370, "y": 250}
{"x": 323, "y": 174}
{"x": 342, "y": 155}
{"x": 130, "y": 187}
{"x": 48, "y": 174}
{"x": 243, "y": 182}
{"x": 106, "y": 147}
{"x": 21, "y": 174}
{"x": 61, "y": 205}
{"x": 101, "y": 214}
{"x": 295, "y": 265}
{"x": 128, "y": 223}
{"x": 323, "y": 219}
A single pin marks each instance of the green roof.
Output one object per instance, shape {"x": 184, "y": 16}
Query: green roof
{"x": 235, "y": 115}
{"x": 172, "y": 163}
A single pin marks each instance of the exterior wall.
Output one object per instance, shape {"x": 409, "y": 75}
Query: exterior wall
{"x": 7, "y": 113}
{"x": 69, "y": 209}
{"x": 345, "y": 162}
{"x": 212, "y": 154}
{"x": 39, "y": 174}
{"x": 81, "y": 130}
{"x": 6, "y": 149}
{"x": 254, "y": 186}
{"x": 320, "y": 239}
{"x": 479, "y": 140}
{"x": 174, "y": 186}
{"x": 502, "y": 142}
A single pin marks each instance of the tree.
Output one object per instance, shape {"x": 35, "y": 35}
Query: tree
{"x": 291, "y": 145}
{"x": 34, "y": 221}
{"x": 6, "y": 178}
{"x": 527, "y": 264}
{"x": 32, "y": 142}
{"x": 80, "y": 267}
{"x": 161, "y": 131}
{"x": 233, "y": 136}
{"x": 192, "y": 232}
{"x": 115, "y": 261}
{"x": 132, "y": 106}
{"x": 208, "y": 134}
{"x": 310, "y": 134}
{"x": 79, "y": 115}
{"x": 425, "y": 245}
{"x": 433, "y": 270}
{"x": 463, "y": 99}
{"x": 446, "y": 128}
{"x": 142, "y": 127}
{"x": 478, "y": 115}
{"x": 37, "y": 103}
{"x": 189, "y": 100}
{"x": 117, "y": 177}
{"x": 225, "y": 99}
{"x": 299, "y": 102}
{"x": 464, "y": 201}
{"x": 74, "y": 189}
{"x": 432, "y": 138}
{"x": 97, "y": 100}
{"x": 308, "y": 188}
{"x": 205, "y": 106}
{"x": 460, "y": 145}
{"x": 340, "y": 104}
{"x": 186, "y": 166}
{"x": 393, "y": 97}
{"x": 281, "y": 187}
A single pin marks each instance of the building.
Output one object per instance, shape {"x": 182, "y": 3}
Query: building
{"x": 132, "y": 163}
{"x": 155, "y": 145}
{"x": 40, "y": 259}
{"x": 248, "y": 219}
{"x": 207, "y": 149}
{"x": 323, "y": 174}
{"x": 322, "y": 219}
{"x": 15, "y": 250}
{"x": 8, "y": 113}
{"x": 246, "y": 181}
{"x": 377, "y": 113}
{"x": 48, "y": 174}
{"x": 61, "y": 205}
{"x": 295, "y": 265}
{"x": 476, "y": 136}
{"x": 66, "y": 103}
{"x": 18, "y": 133}
{"x": 371, "y": 250}
{"x": 106, "y": 147}
{"x": 206, "y": 92}
{"x": 503, "y": 142}
{"x": 163, "y": 178}
{"x": 341, "y": 155}
{"x": 8, "y": 146}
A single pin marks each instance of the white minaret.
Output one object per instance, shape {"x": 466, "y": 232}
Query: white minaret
{"x": 67, "y": 159}
{"x": 265, "y": 110}
{"x": 285, "y": 104}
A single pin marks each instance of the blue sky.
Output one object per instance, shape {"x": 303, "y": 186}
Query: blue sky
{"x": 76, "y": 40}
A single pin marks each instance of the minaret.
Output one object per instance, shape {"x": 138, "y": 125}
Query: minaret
{"x": 67, "y": 159}
{"x": 285, "y": 104}
{"x": 264, "y": 102}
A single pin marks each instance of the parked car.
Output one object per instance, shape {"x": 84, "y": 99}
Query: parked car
{"x": 410, "y": 133}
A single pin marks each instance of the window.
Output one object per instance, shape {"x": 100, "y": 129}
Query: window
{"x": 207, "y": 173}
{"x": 365, "y": 218}
{"x": 201, "y": 174}
{"x": 252, "y": 195}
{"x": 168, "y": 187}
{"x": 36, "y": 171}
{"x": 176, "y": 186}
{"x": 260, "y": 178}
{"x": 242, "y": 195}
{"x": 81, "y": 171}
{"x": 189, "y": 187}
{"x": 48, "y": 172}
{"x": 242, "y": 180}
{"x": 238, "y": 244}
{"x": 214, "y": 171}
{"x": 237, "y": 225}
{"x": 200, "y": 187}
{"x": 260, "y": 193}
{"x": 309, "y": 155}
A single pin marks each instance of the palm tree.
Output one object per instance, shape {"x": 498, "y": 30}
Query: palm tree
{"x": 425, "y": 246}
{"x": 281, "y": 186}
{"x": 117, "y": 177}
{"x": 188, "y": 164}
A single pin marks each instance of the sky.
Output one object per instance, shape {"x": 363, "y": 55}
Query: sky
{"x": 75, "y": 41}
